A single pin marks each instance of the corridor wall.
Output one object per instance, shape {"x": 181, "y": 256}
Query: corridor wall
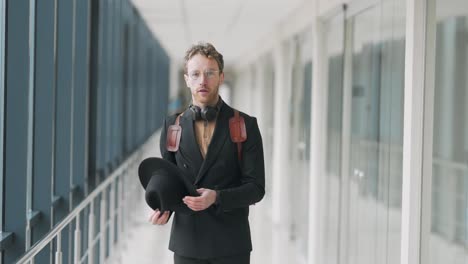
{"x": 83, "y": 85}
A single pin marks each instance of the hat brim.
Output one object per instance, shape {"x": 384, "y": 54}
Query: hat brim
{"x": 149, "y": 166}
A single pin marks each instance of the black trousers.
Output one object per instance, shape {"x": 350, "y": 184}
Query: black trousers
{"x": 237, "y": 259}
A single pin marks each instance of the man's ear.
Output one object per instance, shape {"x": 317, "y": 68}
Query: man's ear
{"x": 221, "y": 78}
{"x": 186, "y": 81}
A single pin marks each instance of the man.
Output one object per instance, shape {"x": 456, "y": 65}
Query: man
{"x": 229, "y": 176}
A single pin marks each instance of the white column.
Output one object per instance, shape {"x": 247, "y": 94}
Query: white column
{"x": 344, "y": 222}
{"x": 242, "y": 92}
{"x": 259, "y": 95}
{"x": 248, "y": 92}
{"x": 281, "y": 167}
{"x": 417, "y": 141}
{"x": 317, "y": 141}
{"x": 263, "y": 112}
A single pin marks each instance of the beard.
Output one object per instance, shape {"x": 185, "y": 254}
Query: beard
{"x": 203, "y": 99}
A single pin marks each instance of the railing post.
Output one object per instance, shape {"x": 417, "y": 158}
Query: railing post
{"x": 91, "y": 233}
{"x": 28, "y": 240}
{"x": 102, "y": 229}
{"x": 120, "y": 208}
{"x": 28, "y": 236}
{"x": 111, "y": 218}
{"x": 77, "y": 248}
{"x": 58, "y": 253}
{"x": 125, "y": 199}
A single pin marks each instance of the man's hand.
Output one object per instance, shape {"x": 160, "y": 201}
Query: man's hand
{"x": 156, "y": 218}
{"x": 206, "y": 199}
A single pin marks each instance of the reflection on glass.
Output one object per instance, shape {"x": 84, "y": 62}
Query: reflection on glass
{"x": 376, "y": 140}
{"x": 449, "y": 221}
{"x": 364, "y": 147}
{"x": 300, "y": 103}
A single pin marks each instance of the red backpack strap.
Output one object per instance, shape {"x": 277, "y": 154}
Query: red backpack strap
{"x": 238, "y": 131}
{"x": 173, "y": 135}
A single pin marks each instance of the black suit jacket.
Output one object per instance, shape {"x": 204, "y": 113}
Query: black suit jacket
{"x": 223, "y": 228}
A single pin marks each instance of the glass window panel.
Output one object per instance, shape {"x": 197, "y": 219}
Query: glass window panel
{"x": 2, "y": 97}
{"x": 377, "y": 72}
{"x": 391, "y": 128}
{"x": 300, "y": 106}
{"x": 332, "y": 198}
{"x": 16, "y": 125}
{"x": 364, "y": 148}
{"x": 449, "y": 220}
{"x": 80, "y": 95}
{"x": 44, "y": 104}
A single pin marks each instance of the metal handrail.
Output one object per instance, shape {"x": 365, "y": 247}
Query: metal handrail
{"x": 55, "y": 233}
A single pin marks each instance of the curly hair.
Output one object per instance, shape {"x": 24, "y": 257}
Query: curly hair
{"x": 206, "y": 49}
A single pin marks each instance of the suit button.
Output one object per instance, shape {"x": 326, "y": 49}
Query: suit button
{"x": 185, "y": 165}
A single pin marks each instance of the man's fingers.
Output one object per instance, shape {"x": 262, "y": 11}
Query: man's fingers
{"x": 196, "y": 203}
{"x": 195, "y": 206}
{"x": 150, "y": 218}
{"x": 163, "y": 218}
{"x": 192, "y": 198}
{"x": 155, "y": 217}
{"x": 193, "y": 202}
{"x": 190, "y": 204}
{"x": 159, "y": 218}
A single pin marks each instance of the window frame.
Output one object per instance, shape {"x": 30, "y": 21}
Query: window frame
{"x": 2, "y": 101}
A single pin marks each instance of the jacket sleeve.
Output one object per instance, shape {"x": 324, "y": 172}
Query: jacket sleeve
{"x": 165, "y": 154}
{"x": 252, "y": 188}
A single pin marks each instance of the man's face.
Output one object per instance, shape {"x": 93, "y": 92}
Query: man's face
{"x": 203, "y": 78}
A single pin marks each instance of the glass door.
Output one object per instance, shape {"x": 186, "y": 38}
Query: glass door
{"x": 375, "y": 70}
{"x": 363, "y": 158}
{"x": 449, "y": 195}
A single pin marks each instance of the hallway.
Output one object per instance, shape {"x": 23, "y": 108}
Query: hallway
{"x": 361, "y": 105}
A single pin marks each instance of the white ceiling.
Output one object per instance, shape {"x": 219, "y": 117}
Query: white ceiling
{"x": 233, "y": 27}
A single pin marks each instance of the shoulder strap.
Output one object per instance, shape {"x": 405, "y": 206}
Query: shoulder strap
{"x": 239, "y": 144}
{"x": 173, "y": 134}
{"x": 238, "y": 132}
{"x": 178, "y": 119}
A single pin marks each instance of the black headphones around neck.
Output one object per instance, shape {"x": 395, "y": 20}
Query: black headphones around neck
{"x": 208, "y": 113}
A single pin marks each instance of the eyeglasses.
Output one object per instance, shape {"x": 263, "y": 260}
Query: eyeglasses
{"x": 195, "y": 75}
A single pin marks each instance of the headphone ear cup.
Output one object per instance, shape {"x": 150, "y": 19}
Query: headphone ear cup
{"x": 209, "y": 113}
{"x": 196, "y": 112}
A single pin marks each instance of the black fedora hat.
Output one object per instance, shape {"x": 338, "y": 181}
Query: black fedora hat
{"x": 165, "y": 185}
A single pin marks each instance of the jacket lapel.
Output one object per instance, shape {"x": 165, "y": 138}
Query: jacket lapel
{"x": 188, "y": 144}
{"x": 217, "y": 141}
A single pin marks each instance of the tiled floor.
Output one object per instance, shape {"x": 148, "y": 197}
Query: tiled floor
{"x": 147, "y": 244}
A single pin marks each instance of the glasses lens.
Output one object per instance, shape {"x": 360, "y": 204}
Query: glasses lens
{"x": 208, "y": 74}
{"x": 194, "y": 75}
